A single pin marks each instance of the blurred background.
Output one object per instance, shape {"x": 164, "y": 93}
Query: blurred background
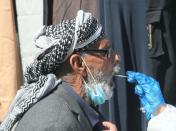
{"x": 143, "y": 32}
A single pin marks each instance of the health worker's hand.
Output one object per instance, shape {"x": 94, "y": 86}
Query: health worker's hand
{"x": 148, "y": 90}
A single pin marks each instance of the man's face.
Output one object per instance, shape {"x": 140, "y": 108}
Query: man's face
{"x": 100, "y": 67}
{"x": 98, "y": 61}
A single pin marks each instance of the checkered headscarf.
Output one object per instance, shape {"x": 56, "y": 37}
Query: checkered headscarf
{"x": 57, "y": 43}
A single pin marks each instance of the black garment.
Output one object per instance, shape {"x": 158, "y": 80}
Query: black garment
{"x": 124, "y": 23}
{"x": 161, "y": 19}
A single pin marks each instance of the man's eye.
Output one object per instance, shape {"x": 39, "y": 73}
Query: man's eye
{"x": 99, "y": 52}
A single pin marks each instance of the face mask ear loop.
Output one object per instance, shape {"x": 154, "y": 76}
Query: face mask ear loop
{"x": 87, "y": 85}
{"x": 84, "y": 82}
{"x": 89, "y": 70}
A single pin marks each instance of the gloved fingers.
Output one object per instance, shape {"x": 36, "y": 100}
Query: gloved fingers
{"x": 140, "y": 78}
{"x": 151, "y": 89}
{"x": 145, "y": 107}
{"x": 131, "y": 76}
{"x": 147, "y": 88}
{"x": 156, "y": 87}
{"x": 139, "y": 91}
{"x": 143, "y": 102}
{"x": 146, "y": 94}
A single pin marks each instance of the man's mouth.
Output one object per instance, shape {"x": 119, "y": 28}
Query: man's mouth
{"x": 116, "y": 69}
{"x": 111, "y": 83}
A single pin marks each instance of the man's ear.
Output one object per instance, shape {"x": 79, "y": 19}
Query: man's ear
{"x": 77, "y": 64}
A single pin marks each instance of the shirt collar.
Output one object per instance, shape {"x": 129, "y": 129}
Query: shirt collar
{"x": 93, "y": 116}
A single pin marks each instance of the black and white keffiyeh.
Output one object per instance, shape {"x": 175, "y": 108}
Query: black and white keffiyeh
{"x": 57, "y": 43}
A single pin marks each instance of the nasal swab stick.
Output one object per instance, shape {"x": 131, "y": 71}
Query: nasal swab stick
{"x": 123, "y": 76}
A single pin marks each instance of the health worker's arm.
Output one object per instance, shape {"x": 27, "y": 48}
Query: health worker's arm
{"x": 161, "y": 116}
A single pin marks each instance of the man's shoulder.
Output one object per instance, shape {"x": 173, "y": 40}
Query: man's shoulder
{"x": 51, "y": 102}
{"x": 53, "y": 108}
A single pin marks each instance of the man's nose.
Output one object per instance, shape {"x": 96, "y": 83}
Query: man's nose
{"x": 116, "y": 59}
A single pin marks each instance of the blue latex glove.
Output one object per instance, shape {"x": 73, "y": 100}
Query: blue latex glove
{"x": 148, "y": 90}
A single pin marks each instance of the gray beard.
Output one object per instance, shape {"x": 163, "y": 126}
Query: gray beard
{"x": 99, "y": 77}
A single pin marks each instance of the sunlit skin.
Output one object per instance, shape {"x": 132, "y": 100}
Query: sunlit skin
{"x": 95, "y": 62}
{"x": 102, "y": 63}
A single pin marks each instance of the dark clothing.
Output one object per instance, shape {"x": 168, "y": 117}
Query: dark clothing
{"x": 94, "y": 117}
{"x": 162, "y": 48}
{"x": 59, "y": 111}
{"x": 124, "y": 23}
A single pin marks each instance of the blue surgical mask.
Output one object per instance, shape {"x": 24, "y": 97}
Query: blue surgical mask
{"x": 96, "y": 94}
{"x": 96, "y": 91}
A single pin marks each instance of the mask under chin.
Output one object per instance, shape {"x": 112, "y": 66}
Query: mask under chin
{"x": 99, "y": 93}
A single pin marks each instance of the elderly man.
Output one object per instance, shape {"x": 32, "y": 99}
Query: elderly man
{"x": 71, "y": 76}
{"x": 67, "y": 80}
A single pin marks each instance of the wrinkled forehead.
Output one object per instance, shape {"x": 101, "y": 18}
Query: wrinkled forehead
{"x": 102, "y": 43}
